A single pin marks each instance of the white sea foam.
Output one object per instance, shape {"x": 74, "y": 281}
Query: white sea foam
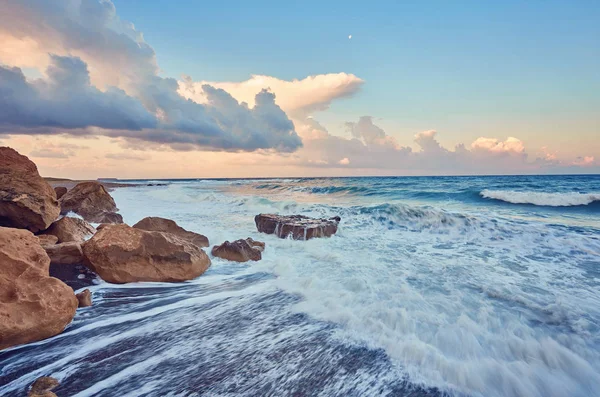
{"x": 542, "y": 198}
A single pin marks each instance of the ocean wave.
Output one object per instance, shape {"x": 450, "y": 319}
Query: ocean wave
{"x": 542, "y": 198}
{"x": 422, "y": 218}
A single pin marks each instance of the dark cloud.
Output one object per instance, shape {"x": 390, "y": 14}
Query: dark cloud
{"x": 150, "y": 109}
{"x": 66, "y": 100}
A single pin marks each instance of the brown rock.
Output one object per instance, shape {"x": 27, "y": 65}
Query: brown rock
{"x": 240, "y": 250}
{"x": 60, "y": 191}
{"x": 110, "y": 217}
{"x": 33, "y": 305}
{"x": 65, "y": 253}
{"x": 26, "y": 200}
{"x": 123, "y": 254}
{"x": 42, "y": 387}
{"x": 90, "y": 200}
{"x": 84, "y": 298}
{"x": 298, "y": 227}
{"x": 69, "y": 229}
{"x": 47, "y": 239}
{"x": 156, "y": 224}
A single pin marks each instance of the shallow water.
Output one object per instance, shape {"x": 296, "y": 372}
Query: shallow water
{"x": 432, "y": 286}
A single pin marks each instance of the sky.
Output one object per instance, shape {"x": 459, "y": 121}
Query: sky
{"x": 162, "y": 89}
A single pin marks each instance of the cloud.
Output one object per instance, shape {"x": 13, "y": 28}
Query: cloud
{"x": 371, "y": 148}
{"x": 296, "y": 97}
{"x": 510, "y": 145}
{"x": 99, "y": 48}
{"x": 66, "y": 100}
{"x": 585, "y": 161}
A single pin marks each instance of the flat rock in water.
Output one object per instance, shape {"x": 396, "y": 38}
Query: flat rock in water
{"x": 156, "y": 224}
{"x": 68, "y": 229}
{"x": 298, "y": 227}
{"x": 65, "y": 253}
{"x": 26, "y": 200}
{"x": 123, "y": 254}
{"x": 92, "y": 202}
{"x": 33, "y": 305}
{"x": 240, "y": 250}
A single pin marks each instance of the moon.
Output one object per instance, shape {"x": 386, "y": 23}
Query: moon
{"x": 350, "y": 37}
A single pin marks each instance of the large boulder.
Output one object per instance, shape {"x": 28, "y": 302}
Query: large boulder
{"x": 156, "y": 224}
{"x": 240, "y": 250}
{"x": 298, "y": 227}
{"x": 65, "y": 253}
{"x": 26, "y": 200}
{"x": 91, "y": 201}
{"x": 33, "y": 305}
{"x": 68, "y": 229}
{"x": 123, "y": 254}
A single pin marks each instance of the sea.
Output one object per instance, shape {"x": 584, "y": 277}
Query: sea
{"x": 433, "y": 286}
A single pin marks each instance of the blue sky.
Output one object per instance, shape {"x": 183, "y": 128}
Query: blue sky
{"x": 465, "y": 68}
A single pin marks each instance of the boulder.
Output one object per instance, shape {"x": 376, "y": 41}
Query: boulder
{"x": 109, "y": 217}
{"x": 156, "y": 224}
{"x": 122, "y": 254}
{"x": 65, "y": 253}
{"x": 239, "y": 250}
{"x": 84, "y": 298}
{"x": 298, "y": 227}
{"x": 91, "y": 201}
{"x": 33, "y": 305}
{"x": 60, "y": 191}
{"x": 42, "y": 387}
{"x": 47, "y": 239}
{"x": 26, "y": 200}
{"x": 68, "y": 229}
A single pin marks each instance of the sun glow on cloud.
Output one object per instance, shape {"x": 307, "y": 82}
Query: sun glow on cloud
{"x": 101, "y": 94}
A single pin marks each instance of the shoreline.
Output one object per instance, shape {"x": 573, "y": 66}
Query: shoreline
{"x": 71, "y": 183}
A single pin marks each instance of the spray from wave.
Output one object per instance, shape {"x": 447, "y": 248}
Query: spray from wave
{"x": 542, "y": 198}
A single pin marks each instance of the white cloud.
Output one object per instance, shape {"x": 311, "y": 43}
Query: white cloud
{"x": 510, "y": 145}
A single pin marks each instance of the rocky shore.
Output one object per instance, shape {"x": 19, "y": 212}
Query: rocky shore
{"x": 74, "y": 232}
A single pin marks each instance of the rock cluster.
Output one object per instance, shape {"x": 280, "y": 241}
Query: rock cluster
{"x": 240, "y": 250}
{"x": 35, "y": 306}
{"x": 298, "y": 227}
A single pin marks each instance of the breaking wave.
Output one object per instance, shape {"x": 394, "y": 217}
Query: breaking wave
{"x": 542, "y": 198}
